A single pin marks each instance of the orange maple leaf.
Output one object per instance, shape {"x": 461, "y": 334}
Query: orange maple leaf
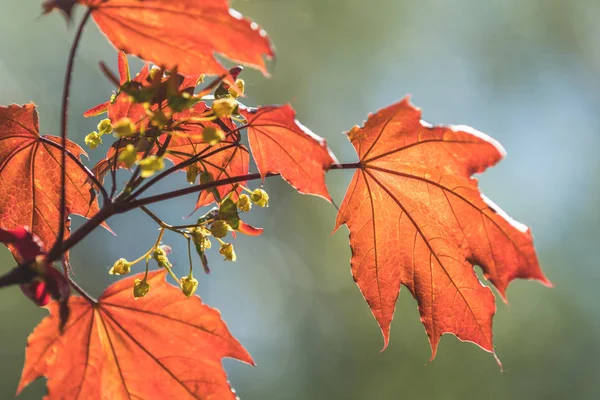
{"x": 185, "y": 33}
{"x": 163, "y": 346}
{"x": 281, "y": 145}
{"x": 30, "y": 176}
{"x": 416, "y": 218}
{"x": 223, "y": 160}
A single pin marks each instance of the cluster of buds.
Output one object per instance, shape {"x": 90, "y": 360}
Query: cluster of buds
{"x": 128, "y": 155}
{"x": 213, "y": 135}
{"x": 94, "y": 139}
{"x": 124, "y": 128}
{"x": 260, "y": 198}
{"x": 150, "y": 165}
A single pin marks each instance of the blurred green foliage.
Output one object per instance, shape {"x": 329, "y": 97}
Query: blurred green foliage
{"x": 523, "y": 71}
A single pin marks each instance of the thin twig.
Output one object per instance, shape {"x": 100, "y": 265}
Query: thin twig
{"x": 63, "y": 131}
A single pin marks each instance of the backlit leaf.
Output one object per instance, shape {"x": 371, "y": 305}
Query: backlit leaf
{"x": 416, "y": 218}
{"x": 184, "y": 33}
{"x": 30, "y": 176}
{"x": 280, "y": 144}
{"x": 162, "y": 346}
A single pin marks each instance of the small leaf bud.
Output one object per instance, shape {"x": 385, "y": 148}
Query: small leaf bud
{"x": 219, "y": 229}
{"x": 128, "y": 155}
{"x": 227, "y": 251}
{"x": 244, "y": 203}
{"x": 224, "y": 107}
{"x": 93, "y": 140}
{"x": 105, "y": 127}
{"x": 150, "y": 165}
{"x": 124, "y": 128}
{"x": 260, "y": 198}
{"x": 120, "y": 267}
{"x": 212, "y": 135}
{"x": 140, "y": 288}
{"x": 188, "y": 285}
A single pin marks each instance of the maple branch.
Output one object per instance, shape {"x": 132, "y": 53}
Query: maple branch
{"x": 112, "y": 208}
{"x": 124, "y": 207}
{"x": 85, "y": 169}
{"x": 177, "y": 167}
{"x": 63, "y": 132}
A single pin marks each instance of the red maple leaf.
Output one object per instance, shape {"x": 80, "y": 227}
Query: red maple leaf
{"x": 38, "y": 281}
{"x": 30, "y": 176}
{"x": 186, "y": 34}
{"x": 281, "y": 145}
{"x": 416, "y": 218}
{"x": 163, "y": 346}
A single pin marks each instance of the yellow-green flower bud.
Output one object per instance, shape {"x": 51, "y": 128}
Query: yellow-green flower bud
{"x": 191, "y": 173}
{"x": 260, "y": 198}
{"x": 150, "y": 165}
{"x": 189, "y": 285}
{"x": 212, "y": 135}
{"x": 224, "y": 107}
{"x": 219, "y": 229}
{"x": 240, "y": 85}
{"x": 124, "y": 128}
{"x": 105, "y": 127}
{"x": 120, "y": 267}
{"x": 160, "y": 256}
{"x": 128, "y": 155}
{"x": 93, "y": 140}
{"x": 227, "y": 251}
{"x": 244, "y": 203}
{"x": 140, "y": 288}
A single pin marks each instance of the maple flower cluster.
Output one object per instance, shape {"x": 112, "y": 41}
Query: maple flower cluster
{"x": 156, "y": 116}
{"x": 216, "y": 225}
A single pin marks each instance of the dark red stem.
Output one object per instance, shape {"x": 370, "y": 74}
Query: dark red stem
{"x": 64, "y": 116}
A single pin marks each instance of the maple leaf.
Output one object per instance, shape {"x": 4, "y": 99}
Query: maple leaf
{"x": 30, "y": 176}
{"x": 416, "y": 218}
{"x": 185, "y": 34}
{"x": 224, "y": 160}
{"x": 280, "y": 144}
{"x": 163, "y": 346}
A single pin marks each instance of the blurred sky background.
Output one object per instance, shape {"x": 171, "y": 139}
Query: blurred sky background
{"x": 526, "y": 72}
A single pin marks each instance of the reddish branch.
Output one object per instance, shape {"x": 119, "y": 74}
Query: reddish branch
{"x": 55, "y": 251}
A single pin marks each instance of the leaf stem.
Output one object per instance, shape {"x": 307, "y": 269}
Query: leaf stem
{"x": 63, "y": 132}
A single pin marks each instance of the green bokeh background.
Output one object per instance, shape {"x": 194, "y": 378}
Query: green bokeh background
{"x": 524, "y": 71}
